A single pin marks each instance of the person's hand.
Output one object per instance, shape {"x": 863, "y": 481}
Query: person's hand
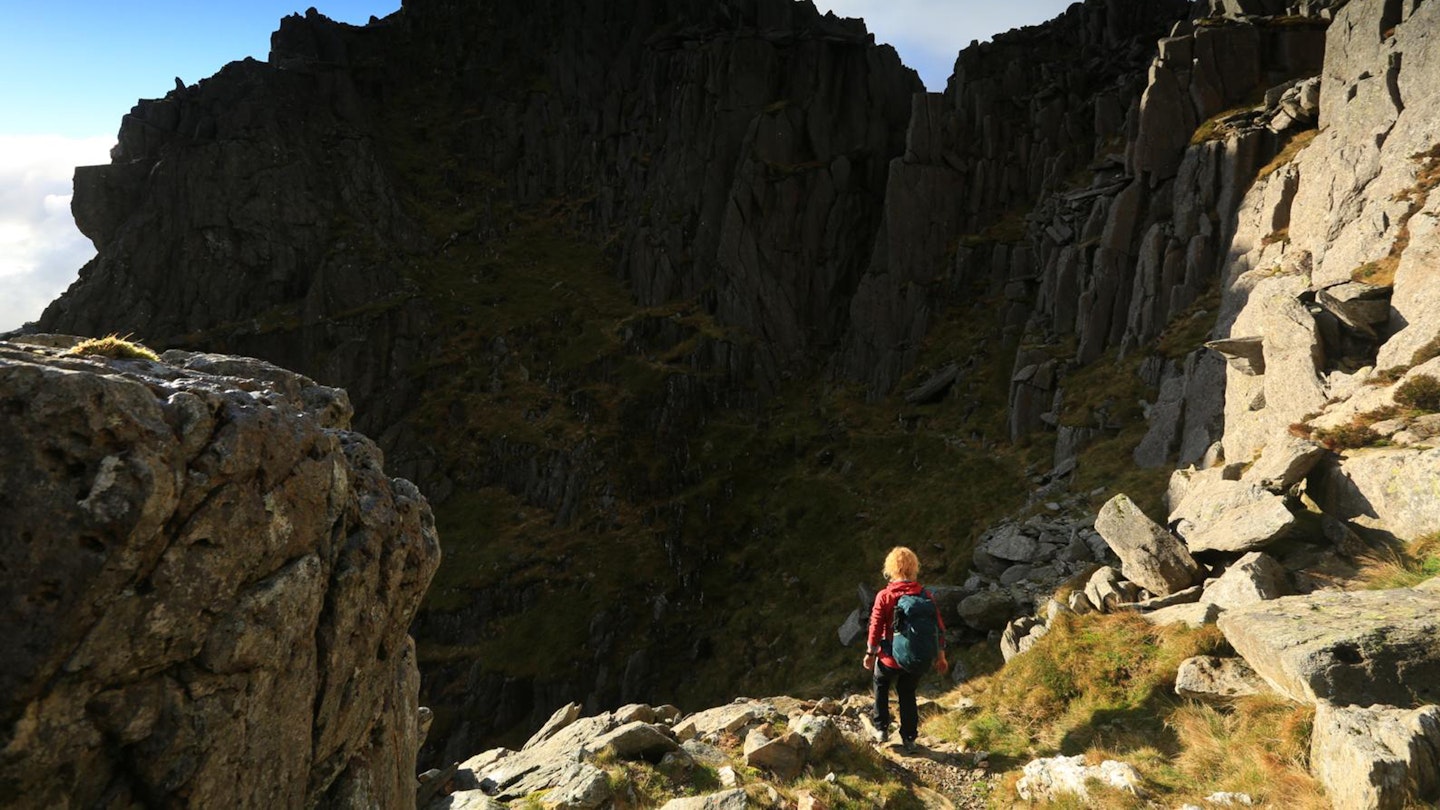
{"x": 942, "y": 665}
{"x": 869, "y": 662}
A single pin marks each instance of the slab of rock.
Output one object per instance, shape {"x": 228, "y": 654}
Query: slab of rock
{"x": 1217, "y": 680}
{"x": 1360, "y": 306}
{"x": 1253, "y": 578}
{"x": 636, "y": 740}
{"x": 563, "y": 716}
{"x": 1376, "y": 757}
{"x": 1345, "y": 647}
{"x": 1006, "y": 546}
{"x": 466, "y": 800}
{"x": 1197, "y": 614}
{"x": 723, "y": 719}
{"x": 1149, "y": 555}
{"x": 1244, "y": 354}
{"x": 584, "y": 787}
{"x": 1230, "y": 516}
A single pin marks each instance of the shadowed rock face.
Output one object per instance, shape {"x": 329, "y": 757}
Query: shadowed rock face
{"x": 735, "y": 152}
{"x": 207, "y": 583}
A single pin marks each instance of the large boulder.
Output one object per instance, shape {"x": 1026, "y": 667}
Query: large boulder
{"x": 1149, "y": 555}
{"x": 1346, "y": 647}
{"x": 208, "y": 584}
{"x": 1375, "y": 757}
{"x": 1222, "y": 515}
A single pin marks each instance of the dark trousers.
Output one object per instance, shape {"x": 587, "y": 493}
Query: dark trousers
{"x": 905, "y": 683}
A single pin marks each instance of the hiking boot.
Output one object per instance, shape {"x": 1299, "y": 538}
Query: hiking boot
{"x": 907, "y": 744}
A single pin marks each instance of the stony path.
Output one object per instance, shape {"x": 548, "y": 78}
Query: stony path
{"x": 953, "y": 776}
{"x": 944, "y": 775}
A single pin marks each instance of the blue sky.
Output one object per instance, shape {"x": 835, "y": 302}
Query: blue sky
{"x": 69, "y": 69}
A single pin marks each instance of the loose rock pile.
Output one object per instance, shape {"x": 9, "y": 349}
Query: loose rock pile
{"x": 563, "y": 765}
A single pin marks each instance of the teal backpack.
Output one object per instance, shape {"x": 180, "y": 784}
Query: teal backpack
{"x": 916, "y": 641}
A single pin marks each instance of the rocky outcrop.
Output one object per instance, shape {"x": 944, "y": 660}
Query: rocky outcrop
{"x": 1020, "y": 117}
{"x": 208, "y": 582}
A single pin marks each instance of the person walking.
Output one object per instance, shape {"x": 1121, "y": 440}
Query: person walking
{"x": 902, "y": 569}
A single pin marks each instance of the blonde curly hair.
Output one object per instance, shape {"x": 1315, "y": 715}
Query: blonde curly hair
{"x": 901, "y": 563}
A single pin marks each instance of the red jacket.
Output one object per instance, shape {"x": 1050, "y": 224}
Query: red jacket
{"x": 882, "y": 618}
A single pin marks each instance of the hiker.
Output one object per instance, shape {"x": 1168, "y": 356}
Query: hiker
{"x": 921, "y": 644}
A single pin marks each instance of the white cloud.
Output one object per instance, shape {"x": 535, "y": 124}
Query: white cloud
{"x": 929, "y": 33}
{"x": 40, "y": 249}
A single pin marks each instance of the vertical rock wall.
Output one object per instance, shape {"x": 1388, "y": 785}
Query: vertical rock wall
{"x": 1350, "y": 290}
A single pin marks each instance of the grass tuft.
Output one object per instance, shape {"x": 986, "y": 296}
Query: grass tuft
{"x": 114, "y": 347}
{"x": 1403, "y": 567}
{"x": 1421, "y": 392}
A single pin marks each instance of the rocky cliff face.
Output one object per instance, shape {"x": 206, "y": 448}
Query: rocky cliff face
{"x": 206, "y": 577}
{"x": 734, "y": 153}
{"x": 433, "y": 211}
